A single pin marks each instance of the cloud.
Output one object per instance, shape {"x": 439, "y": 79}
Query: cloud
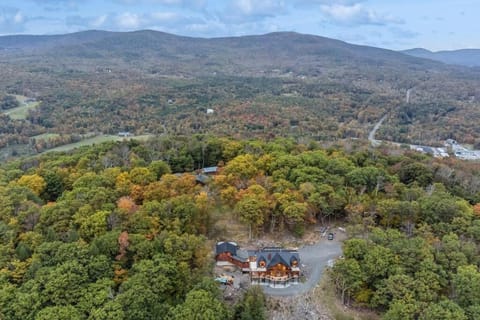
{"x": 312, "y": 3}
{"x": 59, "y": 5}
{"x": 403, "y": 33}
{"x": 126, "y": 21}
{"x": 87, "y": 22}
{"x": 356, "y": 14}
{"x": 11, "y": 20}
{"x": 196, "y": 4}
{"x": 183, "y": 3}
{"x": 241, "y": 11}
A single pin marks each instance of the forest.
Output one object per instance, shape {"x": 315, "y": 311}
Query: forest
{"x": 122, "y": 230}
{"x": 91, "y": 83}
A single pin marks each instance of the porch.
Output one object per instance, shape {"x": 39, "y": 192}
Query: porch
{"x": 274, "y": 281}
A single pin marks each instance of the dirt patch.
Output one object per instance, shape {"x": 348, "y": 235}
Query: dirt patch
{"x": 304, "y": 306}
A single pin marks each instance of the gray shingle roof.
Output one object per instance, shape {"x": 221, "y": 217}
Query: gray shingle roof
{"x": 275, "y": 255}
{"x": 226, "y": 246}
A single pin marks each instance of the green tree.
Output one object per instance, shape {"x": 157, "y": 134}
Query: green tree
{"x": 159, "y": 168}
{"x": 347, "y": 277}
{"x": 200, "y": 305}
{"x": 252, "y": 305}
{"x": 443, "y": 310}
{"x": 402, "y": 310}
{"x": 110, "y": 310}
{"x": 466, "y": 284}
{"x": 68, "y": 312}
{"x": 54, "y": 186}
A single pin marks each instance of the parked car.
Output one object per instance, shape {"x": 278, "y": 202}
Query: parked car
{"x": 330, "y": 236}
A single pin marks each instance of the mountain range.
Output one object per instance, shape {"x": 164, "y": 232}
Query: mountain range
{"x": 463, "y": 57}
{"x": 233, "y": 55}
{"x": 277, "y": 84}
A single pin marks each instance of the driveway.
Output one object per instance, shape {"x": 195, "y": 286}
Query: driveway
{"x": 314, "y": 259}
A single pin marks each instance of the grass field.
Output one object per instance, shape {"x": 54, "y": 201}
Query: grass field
{"x": 95, "y": 140}
{"x": 46, "y": 136}
{"x": 21, "y": 112}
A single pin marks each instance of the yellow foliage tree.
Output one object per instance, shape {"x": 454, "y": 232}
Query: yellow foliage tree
{"x": 34, "y": 182}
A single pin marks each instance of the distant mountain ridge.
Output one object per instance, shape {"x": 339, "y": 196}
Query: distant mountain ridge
{"x": 276, "y": 84}
{"x": 284, "y": 50}
{"x": 463, "y": 57}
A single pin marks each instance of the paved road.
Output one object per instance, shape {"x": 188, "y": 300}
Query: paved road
{"x": 315, "y": 258}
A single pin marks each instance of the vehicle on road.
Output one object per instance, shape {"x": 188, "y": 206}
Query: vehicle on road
{"x": 330, "y": 236}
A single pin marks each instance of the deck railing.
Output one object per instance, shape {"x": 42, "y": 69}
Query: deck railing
{"x": 273, "y": 281}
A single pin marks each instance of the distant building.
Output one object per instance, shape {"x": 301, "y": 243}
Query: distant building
{"x": 226, "y": 252}
{"x": 125, "y": 134}
{"x": 210, "y": 111}
{"x": 451, "y": 141}
{"x": 210, "y": 170}
{"x": 202, "y": 179}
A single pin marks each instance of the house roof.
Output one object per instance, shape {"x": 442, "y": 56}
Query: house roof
{"x": 275, "y": 255}
{"x": 201, "y": 178}
{"x": 276, "y": 259}
{"x": 226, "y": 246}
{"x": 210, "y": 170}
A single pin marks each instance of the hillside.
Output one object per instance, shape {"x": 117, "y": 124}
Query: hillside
{"x": 248, "y": 55}
{"x": 463, "y": 57}
{"x": 105, "y": 232}
{"x": 278, "y": 84}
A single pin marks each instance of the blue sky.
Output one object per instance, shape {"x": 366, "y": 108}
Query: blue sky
{"x": 393, "y": 24}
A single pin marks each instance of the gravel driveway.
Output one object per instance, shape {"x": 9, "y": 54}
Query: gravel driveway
{"x": 314, "y": 259}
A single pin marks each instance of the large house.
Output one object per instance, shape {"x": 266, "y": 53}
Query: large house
{"x": 273, "y": 266}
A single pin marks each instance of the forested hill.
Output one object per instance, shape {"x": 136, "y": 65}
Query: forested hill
{"x": 278, "y": 84}
{"x": 108, "y": 232}
{"x": 248, "y": 54}
{"x": 465, "y": 57}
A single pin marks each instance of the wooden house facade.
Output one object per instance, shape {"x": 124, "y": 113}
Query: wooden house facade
{"x": 273, "y": 266}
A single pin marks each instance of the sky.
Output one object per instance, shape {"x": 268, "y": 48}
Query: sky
{"x": 393, "y": 24}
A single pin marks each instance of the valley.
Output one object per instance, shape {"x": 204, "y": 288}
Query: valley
{"x": 321, "y": 90}
{"x": 126, "y": 156}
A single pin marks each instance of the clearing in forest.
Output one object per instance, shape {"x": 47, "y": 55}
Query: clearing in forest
{"x": 21, "y": 112}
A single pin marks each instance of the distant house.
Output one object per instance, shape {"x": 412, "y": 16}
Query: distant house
{"x": 210, "y": 111}
{"x": 210, "y": 170}
{"x": 451, "y": 142}
{"x": 202, "y": 179}
{"x": 273, "y": 266}
{"x": 203, "y": 176}
{"x": 125, "y": 134}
